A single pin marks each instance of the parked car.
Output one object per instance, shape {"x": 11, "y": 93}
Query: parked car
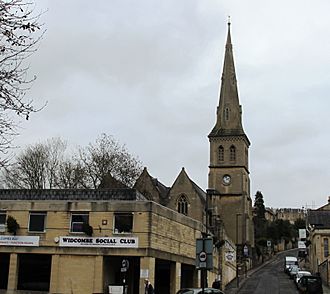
{"x": 293, "y": 270}
{"x": 300, "y": 274}
{"x": 310, "y": 285}
{"x": 199, "y": 291}
{"x": 289, "y": 261}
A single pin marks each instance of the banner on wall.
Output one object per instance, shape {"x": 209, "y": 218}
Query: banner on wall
{"x": 6, "y": 240}
{"x": 109, "y": 242}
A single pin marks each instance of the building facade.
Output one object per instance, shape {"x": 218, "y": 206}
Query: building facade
{"x": 290, "y": 214}
{"x": 83, "y": 241}
{"x": 318, "y": 226}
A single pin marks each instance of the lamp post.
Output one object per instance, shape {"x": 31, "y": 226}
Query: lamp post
{"x": 238, "y": 255}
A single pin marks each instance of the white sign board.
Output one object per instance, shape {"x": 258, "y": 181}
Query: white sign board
{"x": 19, "y": 240}
{"x": 302, "y": 233}
{"x": 100, "y": 242}
{"x": 144, "y": 273}
{"x": 116, "y": 289}
{"x": 230, "y": 256}
{"x": 301, "y": 245}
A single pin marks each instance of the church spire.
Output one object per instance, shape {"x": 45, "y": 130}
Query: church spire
{"x": 229, "y": 114}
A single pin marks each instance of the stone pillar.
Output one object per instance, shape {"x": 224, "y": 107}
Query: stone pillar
{"x": 175, "y": 277}
{"x": 13, "y": 272}
{"x": 54, "y": 282}
{"x": 147, "y": 270}
{"x": 98, "y": 274}
{"x": 197, "y": 279}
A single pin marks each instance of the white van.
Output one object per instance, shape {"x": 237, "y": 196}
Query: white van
{"x": 288, "y": 261}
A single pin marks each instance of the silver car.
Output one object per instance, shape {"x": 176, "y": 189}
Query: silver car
{"x": 293, "y": 271}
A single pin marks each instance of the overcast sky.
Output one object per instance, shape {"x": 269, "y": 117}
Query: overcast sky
{"x": 147, "y": 72}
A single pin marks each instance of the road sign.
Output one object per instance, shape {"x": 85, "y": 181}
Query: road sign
{"x": 202, "y": 256}
{"x": 245, "y": 250}
{"x": 204, "y": 253}
{"x": 302, "y": 234}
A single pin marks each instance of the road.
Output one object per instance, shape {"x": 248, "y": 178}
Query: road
{"x": 270, "y": 279}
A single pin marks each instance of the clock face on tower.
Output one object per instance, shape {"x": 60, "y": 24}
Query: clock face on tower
{"x": 226, "y": 179}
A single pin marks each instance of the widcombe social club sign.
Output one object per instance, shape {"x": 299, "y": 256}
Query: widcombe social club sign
{"x": 110, "y": 242}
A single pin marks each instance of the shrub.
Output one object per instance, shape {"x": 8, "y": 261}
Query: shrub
{"x": 12, "y": 225}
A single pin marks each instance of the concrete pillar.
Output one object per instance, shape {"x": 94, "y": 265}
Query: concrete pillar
{"x": 175, "y": 277}
{"x": 98, "y": 274}
{"x": 13, "y": 272}
{"x": 54, "y": 282}
{"x": 147, "y": 270}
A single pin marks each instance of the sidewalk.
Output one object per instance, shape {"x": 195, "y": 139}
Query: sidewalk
{"x": 232, "y": 288}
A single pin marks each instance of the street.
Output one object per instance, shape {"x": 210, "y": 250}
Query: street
{"x": 270, "y": 279}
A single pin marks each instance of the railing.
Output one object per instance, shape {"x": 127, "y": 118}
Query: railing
{"x": 323, "y": 269}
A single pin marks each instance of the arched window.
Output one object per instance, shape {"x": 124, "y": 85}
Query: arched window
{"x": 183, "y": 205}
{"x": 232, "y": 153}
{"x": 221, "y": 152}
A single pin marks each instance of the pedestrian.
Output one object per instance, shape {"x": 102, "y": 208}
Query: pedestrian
{"x": 216, "y": 284}
{"x": 149, "y": 289}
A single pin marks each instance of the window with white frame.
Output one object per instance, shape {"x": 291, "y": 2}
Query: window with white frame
{"x": 123, "y": 222}
{"x": 77, "y": 222}
{"x": 2, "y": 221}
{"x": 37, "y": 222}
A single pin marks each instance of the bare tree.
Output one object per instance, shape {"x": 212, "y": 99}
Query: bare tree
{"x": 46, "y": 165}
{"x": 37, "y": 166}
{"x": 19, "y": 35}
{"x": 71, "y": 175}
{"x": 106, "y": 157}
{"x": 29, "y": 170}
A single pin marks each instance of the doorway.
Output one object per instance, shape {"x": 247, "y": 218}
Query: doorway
{"x": 34, "y": 272}
{"x": 121, "y": 271}
{"x": 4, "y": 270}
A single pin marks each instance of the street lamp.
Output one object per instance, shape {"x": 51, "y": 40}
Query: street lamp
{"x": 238, "y": 255}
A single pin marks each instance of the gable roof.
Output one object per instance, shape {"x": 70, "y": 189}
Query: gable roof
{"x": 319, "y": 219}
{"x": 157, "y": 186}
{"x": 109, "y": 182}
{"x": 200, "y": 192}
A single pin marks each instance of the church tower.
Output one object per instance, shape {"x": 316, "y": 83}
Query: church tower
{"x": 229, "y": 181}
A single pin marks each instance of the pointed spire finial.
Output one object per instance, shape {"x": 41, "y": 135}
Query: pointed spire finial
{"x": 228, "y": 43}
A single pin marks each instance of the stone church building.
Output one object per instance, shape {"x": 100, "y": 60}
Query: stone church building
{"x": 227, "y": 201}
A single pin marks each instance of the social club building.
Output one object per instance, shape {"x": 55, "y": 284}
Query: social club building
{"x": 83, "y": 241}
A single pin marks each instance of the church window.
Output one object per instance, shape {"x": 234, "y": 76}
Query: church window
{"x": 232, "y": 153}
{"x": 227, "y": 113}
{"x": 221, "y": 152}
{"x": 326, "y": 247}
{"x": 183, "y": 205}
